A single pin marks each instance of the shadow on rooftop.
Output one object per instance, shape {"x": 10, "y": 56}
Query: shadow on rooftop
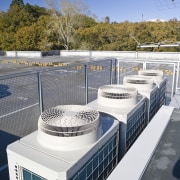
{"x": 7, "y": 139}
{"x": 176, "y": 169}
{"x": 4, "y": 91}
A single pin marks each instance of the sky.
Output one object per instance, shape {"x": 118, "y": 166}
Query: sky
{"x": 123, "y": 10}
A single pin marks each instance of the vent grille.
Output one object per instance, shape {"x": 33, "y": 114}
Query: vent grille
{"x": 118, "y": 96}
{"x": 117, "y": 92}
{"x": 69, "y": 120}
{"x": 150, "y": 73}
{"x": 69, "y": 116}
{"x": 141, "y": 83}
{"x": 136, "y": 81}
{"x": 157, "y": 75}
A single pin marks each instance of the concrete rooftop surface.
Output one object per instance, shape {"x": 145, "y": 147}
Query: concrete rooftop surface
{"x": 155, "y": 155}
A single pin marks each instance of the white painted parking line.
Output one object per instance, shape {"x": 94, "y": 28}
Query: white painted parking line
{"x": 18, "y": 110}
{"x": 22, "y": 98}
{"x": 88, "y": 87}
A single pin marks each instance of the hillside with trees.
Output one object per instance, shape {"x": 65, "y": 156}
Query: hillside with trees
{"x": 67, "y": 25}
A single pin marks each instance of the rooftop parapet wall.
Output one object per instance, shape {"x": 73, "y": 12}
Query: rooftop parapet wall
{"x": 2, "y": 53}
{"x": 23, "y": 54}
{"x": 28, "y": 53}
{"x": 123, "y": 54}
{"x": 11, "y": 54}
{"x": 115, "y": 54}
{"x": 159, "y": 55}
{"x": 75, "y": 53}
{"x": 86, "y": 53}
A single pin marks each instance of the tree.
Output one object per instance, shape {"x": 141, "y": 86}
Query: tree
{"x": 17, "y": 19}
{"x": 19, "y": 3}
{"x": 65, "y": 18}
{"x": 32, "y": 37}
{"x": 107, "y": 20}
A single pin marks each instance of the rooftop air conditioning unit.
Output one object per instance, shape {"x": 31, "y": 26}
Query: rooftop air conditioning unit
{"x": 145, "y": 86}
{"x": 72, "y": 142}
{"x": 68, "y": 127}
{"x": 160, "y": 81}
{"x": 155, "y": 74}
{"x": 128, "y": 107}
{"x": 117, "y": 96}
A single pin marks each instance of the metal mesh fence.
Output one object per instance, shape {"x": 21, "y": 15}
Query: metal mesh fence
{"x": 168, "y": 72}
{"x": 63, "y": 86}
{"x": 99, "y": 74}
{"x": 19, "y": 95}
{"x": 19, "y": 104}
{"x": 128, "y": 68}
{"x": 75, "y": 84}
{"x": 132, "y": 68}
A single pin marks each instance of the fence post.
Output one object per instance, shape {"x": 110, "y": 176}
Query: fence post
{"x": 177, "y": 77}
{"x": 86, "y": 83}
{"x": 173, "y": 81}
{"x": 144, "y": 65}
{"x": 40, "y": 92}
{"x": 117, "y": 78}
{"x": 111, "y": 72}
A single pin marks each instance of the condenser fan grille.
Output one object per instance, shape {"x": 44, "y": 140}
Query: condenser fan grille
{"x": 117, "y": 92}
{"x": 60, "y": 117}
{"x": 116, "y": 95}
{"x": 116, "y": 88}
{"x": 51, "y": 115}
{"x": 69, "y": 120}
{"x": 136, "y": 81}
{"x": 150, "y": 74}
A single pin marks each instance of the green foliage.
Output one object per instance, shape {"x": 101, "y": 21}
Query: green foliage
{"x": 65, "y": 20}
{"x": 85, "y": 21}
{"x": 115, "y": 36}
{"x": 27, "y": 27}
{"x": 18, "y": 3}
{"x": 18, "y": 20}
{"x": 31, "y": 37}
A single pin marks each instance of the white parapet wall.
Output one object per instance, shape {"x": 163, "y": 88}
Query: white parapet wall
{"x": 11, "y": 53}
{"x": 28, "y": 53}
{"x": 23, "y": 54}
{"x": 98, "y": 54}
{"x": 115, "y": 54}
{"x": 123, "y": 54}
{"x": 158, "y": 55}
{"x": 75, "y": 53}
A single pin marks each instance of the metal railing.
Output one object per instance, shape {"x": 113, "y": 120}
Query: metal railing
{"x": 170, "y": 70}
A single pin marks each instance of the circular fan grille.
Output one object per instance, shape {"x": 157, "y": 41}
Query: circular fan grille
{"x": 117, "y": 92}
{"x": 151, "y": 73}
{"x": 69, "y": 120}
{"x": 69, "y": 116}
{"x": 116, "y": 95}
{"x": 137, "y": 81}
